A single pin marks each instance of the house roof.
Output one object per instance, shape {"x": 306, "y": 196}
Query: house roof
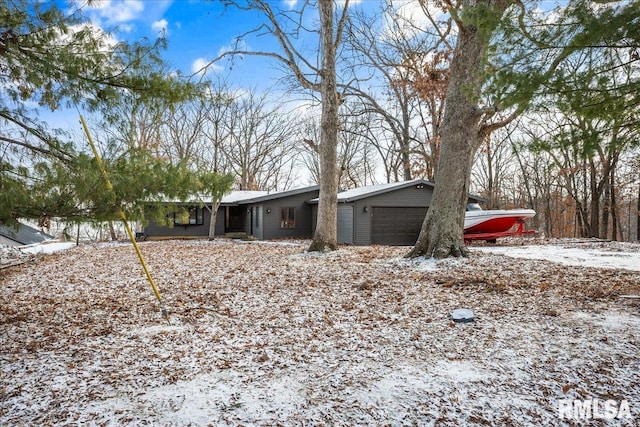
{"x": 374, "y": 190}
{"x": 354, "y": 194}
{"x": 243, "y": 197}
{"x": 23, "y": 234}
{"x": 279, "y": 194}
{"x": 240, "y": 195}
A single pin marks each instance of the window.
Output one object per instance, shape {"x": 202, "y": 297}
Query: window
{"x": 288, "y": 218}
{"x": 194, "y": 215}
{"x": 256, "y": 213}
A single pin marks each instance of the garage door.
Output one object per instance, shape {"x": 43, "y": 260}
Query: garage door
{"x": 396, "y": 226}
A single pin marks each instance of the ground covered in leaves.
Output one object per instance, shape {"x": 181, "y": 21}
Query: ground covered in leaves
{"x": 264, "y": 333}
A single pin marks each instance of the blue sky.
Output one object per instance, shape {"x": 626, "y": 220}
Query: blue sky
{"x": 196, "y": 30}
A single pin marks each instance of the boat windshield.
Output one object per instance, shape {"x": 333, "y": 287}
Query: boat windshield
{"x": 473, "y": 207}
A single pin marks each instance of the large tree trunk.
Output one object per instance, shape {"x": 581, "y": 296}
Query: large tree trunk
{"x": 441, "y": 235}
{"x": 326, "y": 234}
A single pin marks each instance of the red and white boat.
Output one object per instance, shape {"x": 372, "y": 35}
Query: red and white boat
{"x": 492, "y": 224}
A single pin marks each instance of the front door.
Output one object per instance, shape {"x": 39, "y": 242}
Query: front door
{"x": 234, "y": 219}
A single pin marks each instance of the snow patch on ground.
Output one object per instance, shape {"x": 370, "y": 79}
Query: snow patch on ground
{"x": 47, "y": 247}
{"x": 586, "y": 257}
{"x": 267, "y": 334}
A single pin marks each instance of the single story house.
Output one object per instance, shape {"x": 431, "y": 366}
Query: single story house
{"x": 263, "y": 215}
{"x": 384, "y": 214}
{"x": 21, "y": 234}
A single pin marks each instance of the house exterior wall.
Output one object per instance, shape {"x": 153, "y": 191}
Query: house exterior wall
{"x": 257, "y": 218}
{"x": 345, "y": 223}
{"x": 271, "y": 211}
{"x": 404, "y": 197}
{"x": 260, "y": 219}
{"x": 220, "y": 221}
{"x": 154, "y": 230}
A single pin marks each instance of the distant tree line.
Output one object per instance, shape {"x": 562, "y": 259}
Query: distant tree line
{"x": 545, "y": 113}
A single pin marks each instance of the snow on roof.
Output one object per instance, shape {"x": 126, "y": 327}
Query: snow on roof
{"x": 279, "y": 194}
{"x": 246, "y": 196}
{"x": 241, "y": 195}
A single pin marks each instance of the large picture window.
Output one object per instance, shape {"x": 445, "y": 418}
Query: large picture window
{"x": 288, "y": 218}
{"x": 193, "y": 216}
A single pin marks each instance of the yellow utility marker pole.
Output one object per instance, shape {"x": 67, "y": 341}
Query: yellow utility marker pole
{"x": 123, "y": 217}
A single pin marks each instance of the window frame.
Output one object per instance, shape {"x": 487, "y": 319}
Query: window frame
{"x": 287, "y": 218}
{"x": 196, "y": 216}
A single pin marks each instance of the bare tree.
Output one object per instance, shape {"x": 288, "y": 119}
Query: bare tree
{"x": 181, "y": 136}
{"x": 494, "y": 164}
{"x": 259, "y": 147}
{"x": 217, "y": 129}
{"x": 356, "y": 155}
{"x": 321, "y": 77}
{"x": 401, "y": 79}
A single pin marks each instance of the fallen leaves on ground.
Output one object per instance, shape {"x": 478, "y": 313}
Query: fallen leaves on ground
{"x": 263, "y": 333}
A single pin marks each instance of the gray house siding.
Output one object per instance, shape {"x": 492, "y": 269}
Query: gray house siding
{"x": 223, "y": 222}
{"x": 395, "y": 210}
{"x": 400, "y": 198}
{"x": 273, "y": 228}
{"x": 154, "y": 230}
{"x": 220, "y": 221}
{"x": 258, "y": 216}
{"x": 345, "y": 224}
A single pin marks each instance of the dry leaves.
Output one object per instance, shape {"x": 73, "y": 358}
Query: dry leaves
{"x": 265, "y": 334}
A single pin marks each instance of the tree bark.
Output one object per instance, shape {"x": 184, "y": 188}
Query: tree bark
{"x": 594, "y": 203}
{"x": 212, "y": 220}
{"x": 112, "y": 231}
{"x": 638, "y": 216}
{"x": 326, "y": 234}
{"x": 441, "y": 235}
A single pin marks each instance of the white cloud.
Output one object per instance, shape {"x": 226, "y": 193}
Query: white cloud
{"x": 116, "y": 12}
{"x": 160, "y": 26}
{"x": 240, "y": 45}
{"x": 203, "y": 66}
{"x": 410, "y": 18}
{"x": 106, "y": 41}
{"x": 341, "y": 3}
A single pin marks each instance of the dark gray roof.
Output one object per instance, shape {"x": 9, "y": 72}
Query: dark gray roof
{"x": 23, "y": 234}
{"x": 354, "y": 194}
{"x": 279, "y": 195}
{"x": 373, "y": 190}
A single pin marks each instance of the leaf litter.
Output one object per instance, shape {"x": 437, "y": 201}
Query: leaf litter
{"x": 267, "y": 334}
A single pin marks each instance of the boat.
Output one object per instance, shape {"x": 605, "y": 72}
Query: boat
{"x": 491, "y": 224}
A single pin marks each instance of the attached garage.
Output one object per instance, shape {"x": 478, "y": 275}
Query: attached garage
{"x": 396, "y": 225}
{"x": 384, "y": 214}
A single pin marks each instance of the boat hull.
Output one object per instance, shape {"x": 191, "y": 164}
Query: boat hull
{"x": 495, "y": 221}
